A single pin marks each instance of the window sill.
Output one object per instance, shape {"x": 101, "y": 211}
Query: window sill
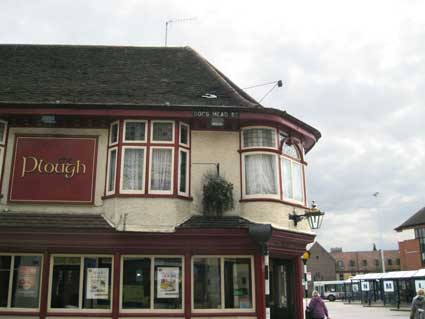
{"x": 247, "y": 200}
{"x": 190, "y": 198}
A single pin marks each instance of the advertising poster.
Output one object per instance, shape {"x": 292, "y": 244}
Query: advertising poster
{"x": 97, "y": 283}
{"x": 355, "y": 288}
{"x": 365, "y": 286}
{"x": 419, "y": 284}
{"x": 388, "y": 286}
{"x": 27, "y": 281}
{"x": 168, "y": 282}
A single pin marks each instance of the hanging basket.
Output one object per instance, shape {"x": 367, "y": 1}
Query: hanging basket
{"x": 217, "y": 195}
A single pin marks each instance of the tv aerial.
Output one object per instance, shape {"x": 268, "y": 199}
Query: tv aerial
{"x": 170, "y": 21}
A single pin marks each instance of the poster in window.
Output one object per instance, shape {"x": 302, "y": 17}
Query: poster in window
{"x": 388, "y": 286}
{"x": 168, "y": 282}
{"x": 419, "y": 284}
{"x": 27, "y": 281}
{"x": 97, "y": 283}
{"x": 355, "y": 288}
{"x": 365, "y": 286}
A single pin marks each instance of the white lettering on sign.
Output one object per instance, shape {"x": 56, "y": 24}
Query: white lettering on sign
{"x": 219, "y": 114}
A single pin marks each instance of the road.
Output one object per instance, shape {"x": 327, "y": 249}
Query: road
{"x": 339, "y": 310}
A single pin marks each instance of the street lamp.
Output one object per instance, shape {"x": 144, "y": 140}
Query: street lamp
{"x": 313, "y": 215}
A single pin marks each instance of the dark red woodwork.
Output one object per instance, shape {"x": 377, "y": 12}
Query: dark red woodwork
{"x": 183, "y": 242}
{"x": 44, "y": 285}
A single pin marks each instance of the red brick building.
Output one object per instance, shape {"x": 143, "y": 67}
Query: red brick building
{"x": 410, "y": 254}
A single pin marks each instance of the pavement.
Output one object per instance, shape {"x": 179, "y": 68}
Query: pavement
{"x": 339, "y": 310}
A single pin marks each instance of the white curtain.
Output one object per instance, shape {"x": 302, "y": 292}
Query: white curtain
{"x": 133, "y": 173}
{"x": 287, "y": 179}
{"x": 161, "y": 169}
{"x": 112, "y": 166}
{"x": 297, "y": 180}
{"x": 259, "y": 137}
{"x": 260, "y": 174}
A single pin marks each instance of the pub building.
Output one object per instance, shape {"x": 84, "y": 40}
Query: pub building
{"x": 104, "y": 153}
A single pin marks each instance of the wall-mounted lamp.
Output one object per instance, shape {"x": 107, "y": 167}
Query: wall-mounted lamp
{"x": 313, "y": 215}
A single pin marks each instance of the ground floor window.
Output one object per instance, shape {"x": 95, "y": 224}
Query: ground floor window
{"x": 152, "y": 283}
{"x": 20, "y": 281}
{"x": 81, "y": 282}
{"x": 222, "y": 283}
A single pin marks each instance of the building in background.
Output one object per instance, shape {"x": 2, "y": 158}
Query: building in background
{"x": 412, "y": 251}
{"x": 103, "y": 157}
{"x": 352, "y": 263}
{"x": 321, "y": 265}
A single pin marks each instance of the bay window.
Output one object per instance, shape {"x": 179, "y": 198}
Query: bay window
{"x": 161, "y": 172}
{"x": 270, "y": 169}
{"x": 143, "y": 156}
{"x": 81, "y": 282}
{"x": 20, "y": 277}
{"x": 222, "y": 283}
{"x": 292, "y": 173}
{"x": 133, "y": 170}
{"x": 3, "y": 134}
{"x": 152, "y": 283}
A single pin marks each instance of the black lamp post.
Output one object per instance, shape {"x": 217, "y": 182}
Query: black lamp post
{"x": 314, "y": 217}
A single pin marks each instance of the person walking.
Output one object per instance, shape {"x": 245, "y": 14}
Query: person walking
{"x": 317, "y": 308}
{"x": 418, "y": 306}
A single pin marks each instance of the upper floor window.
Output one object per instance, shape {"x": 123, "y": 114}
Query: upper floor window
{"x": 134, "y": 131}
{"x": 270, "y": 171}
{"x": 364, "y": 262}
{"x": 259, "y": 137}
{"x": 352, "y": 263}
{"x": 389, "y": 262}
{"x": 145, "y": 155}
{"x": 340, "y": 264}
{"x": 376, "y": 263}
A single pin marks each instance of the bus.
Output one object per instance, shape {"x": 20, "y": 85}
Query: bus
{"x": 331, "y": 290}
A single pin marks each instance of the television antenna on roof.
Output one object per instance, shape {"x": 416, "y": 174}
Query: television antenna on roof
{"x": 168, "y": 22}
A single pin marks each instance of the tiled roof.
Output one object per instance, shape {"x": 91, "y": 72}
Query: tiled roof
{"x": 418, "y": 219}
{"x": 114, "y": 75}
{"x": 39, "y": 221}
{"x": 216, "y": 222}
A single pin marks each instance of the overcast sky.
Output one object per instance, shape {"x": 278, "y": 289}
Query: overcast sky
{"x": 353, "y": 69}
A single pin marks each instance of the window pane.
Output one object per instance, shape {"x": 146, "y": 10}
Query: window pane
{"x": 207, "y": 283}
{"x": 163, "y": 132}
{"x": 287, "y": 178}
{"x": 237, "y": 283}
{"x": 259, "y": 137}
{"x": 184, "y": 134}
{"x": 298, "y": 182}
{"x": 260, "y": 174}
{"x": 161, "y": 169}
{"x": 135, "y": 131}
{"x": 112, "y": 170}
{"x": 136, "y": 290}
{"x": 290, "y": 150}
{"x": 65, "y": 282}
{"x": 133, "y": 170}
{"x": 26, "y": 283}
{"x": 168, "y": 283}
{"x": 2, "y": 129}
{"x": 4, "y": 279}
{"x": 97, "y": 283}
{"x": 114, "y": 133}
{"x": 183, "y": 172}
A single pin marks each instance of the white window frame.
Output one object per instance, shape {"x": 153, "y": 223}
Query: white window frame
{"x": 117, "y": 123}
{"x": 187, "y": 173}
{"x": 1, "y": 160}
{"x": 173, "y": 129}
{"x": 152, "y": 287}
{"x": 3, "y": 141}
{"x": 188, "y": 134}
{"x": 260, "y": 196}
{"x": 108, "y": 177}
{"x": 132, "y": 191}
{"x": 11, "y": 275}
{"x": 161, "y": 192}
{"x": 125, "y": 128}
{"x": 81, "y": 289}
{"x": 303, "y": 186}
{"x": 276, "y": 137}
{"x": 222, "y": 296}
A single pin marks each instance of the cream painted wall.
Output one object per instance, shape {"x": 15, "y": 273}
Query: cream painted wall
{"x": 159, "y": 214}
